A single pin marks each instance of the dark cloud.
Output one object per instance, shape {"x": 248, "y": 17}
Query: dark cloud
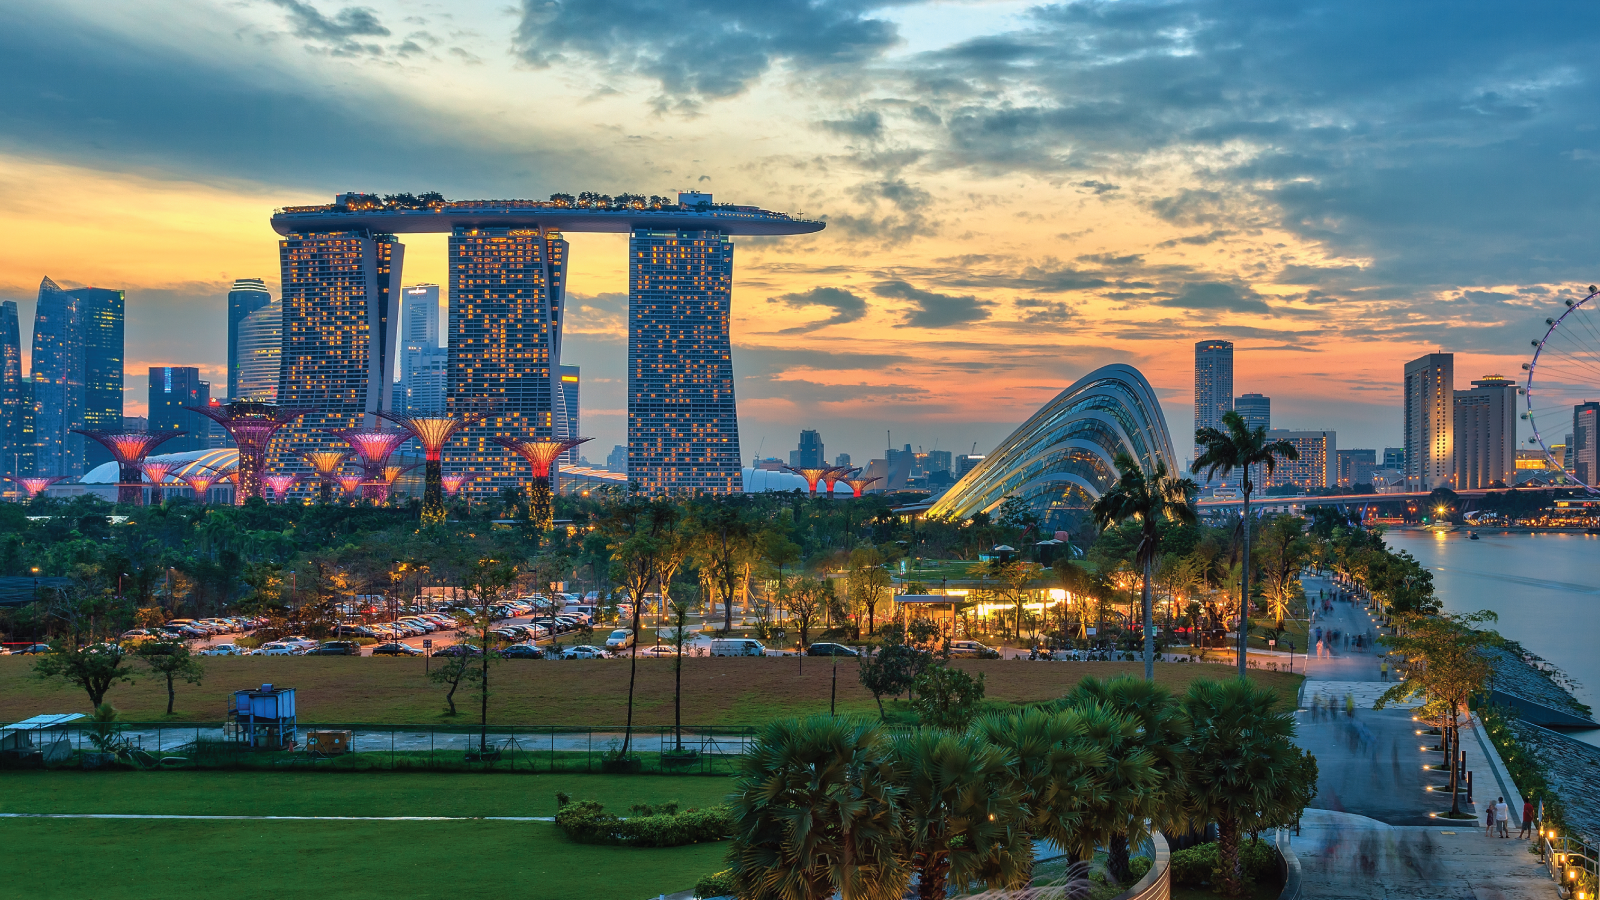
{"x": 1099, "y": 187}
{"x": 847, "y": 307}
{"x": 339, "y": 32}
{"x": 1217, "y": 296}
{"x": 867, "y": 124}
{"x": 907, "y": 220}
{"x": 934, "y": 310}
{"x": 701, "y": 49}
{"x": 1033, "y": 311}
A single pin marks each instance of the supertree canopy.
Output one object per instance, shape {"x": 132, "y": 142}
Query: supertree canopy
{"x": 837, "y": 474}
{"x": 432, "y": 432}
{"x": 391, "y": 474}
{"x": 200, "y": 481}
{"x": 372, "y": 448}
{"x": 157, "y": 473}
{"x": 36, "y": 485}
{"x": 326, "y": 464}
{"x": 541, "y": 454}
{"x": 351, "y": 485}
{"x": 129, "y": 448}
{"x": 251, "y": 425}
{"x": 814, "y": 474}
{"x": 858, "y": 483}
{"x": 280, "y": 484}
{"x": 452, "y": 483}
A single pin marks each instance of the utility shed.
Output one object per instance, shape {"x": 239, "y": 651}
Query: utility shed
{"x": 42, "y": 736}
{"x": 263, "y": 719}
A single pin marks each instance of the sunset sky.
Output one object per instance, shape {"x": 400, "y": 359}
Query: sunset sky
{"x": 1015, "y": 194}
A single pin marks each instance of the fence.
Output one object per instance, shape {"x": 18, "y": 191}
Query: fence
{"x": 220, "y": 745}
{"x": 1570, "y": 860}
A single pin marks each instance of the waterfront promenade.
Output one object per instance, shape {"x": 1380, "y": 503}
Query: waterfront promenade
{"x": 1368, "y": 834}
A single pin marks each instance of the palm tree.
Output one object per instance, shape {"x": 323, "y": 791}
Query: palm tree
{"x": 1240, "y": 447}
{"x": 815, "y": 812}
{"x": 1053, "y": 765}
{"x": 1148, "y": 501}
{"x": 962, "y": 813}
{"x": 1244, "y": 764}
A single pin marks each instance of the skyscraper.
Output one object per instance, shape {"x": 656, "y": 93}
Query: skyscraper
{"x": 1213, "y": 383}
{"x": 1429, "y": 414}
{"x": 11, "y": 448}
{"x": 57, "y": 369}
{"x": 683, "y": 425}
{"x": 1485, "y": 434}
{"x": 172, "y": 389}
{"x": 340, "y": 321}
{"x": 810, "y": 454}
{"x": 1317, "y": 466}
{"x": 259, "y": 354}
{"x": 101, "y": 311}
{"x": 1583, "y": 445}
{"x": 248, "y": 296}
{"x": 423, "y": 363}
{"x": 1255, "y": 409}
{"x": 507, "y": 289}
{"x": 570, "y": 384}
{"x": 1356, "y": 466}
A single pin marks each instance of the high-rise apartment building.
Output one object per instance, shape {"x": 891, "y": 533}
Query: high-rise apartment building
{"x": 1429, "y": 419}
{"x": 172, "y": 390}
{"x": 1356, "y": 467}
{"x": 507, "y": 290}
{"x": 248, "y": 296}
{"x": 1394, "y": 458}
{"x": 1485, "y": 434}
{"x": 424, "y": 364}
{"x": 617, "y": 459}
{"x": 1317, "y": 466}
{"x": 569, "y": 388}
{"x": 259, "y": 355}
{"x": 809, "y": 455}
{"x": 77, "y": 370}
{"x": 1213, "y": 383}
{"x": 683, "y": 425}
{"x": 11, "y": 448}
{"x": 842, "y": 459}
{"x": 1582, "y": 457}
{"x": 102, "y": 312}
{"x": 25, "y": 454}
{"x": 340, "y": 323}
{"x": 1255, "y": 409}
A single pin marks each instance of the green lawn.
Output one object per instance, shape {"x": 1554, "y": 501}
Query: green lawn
{"x": 108, "y": 859}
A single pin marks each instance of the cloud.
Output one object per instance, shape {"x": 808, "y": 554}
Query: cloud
{"x": 934, "y": 310}
{"x": 1217, "y": 296}
{"x": 339, "y": 31}
{"x": 847, "y": 307}
{"x": 1099, "y": 187}
{"x": 1043, "y": 312}
{"x": 867, "y": 124}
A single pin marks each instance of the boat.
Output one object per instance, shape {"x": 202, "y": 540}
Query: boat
{"x": 1472, "y": 535}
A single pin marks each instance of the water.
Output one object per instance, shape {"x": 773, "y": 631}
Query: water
{"x": 1544, "y": 587}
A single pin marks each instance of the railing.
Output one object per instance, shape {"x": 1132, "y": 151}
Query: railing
{"x": 1156, "y": 883}
{"x": 1571, "y": 861}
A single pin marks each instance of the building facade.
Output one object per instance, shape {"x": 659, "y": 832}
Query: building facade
{"x": 1429, "y": 422}
{"x": 809, "y": 454}
{"x": 1356, "y": 467}
{"x": 247, "y": 297}
{"x": 683, "y": 424}
{"x": 259, "y": 358}
{"x": 1255, "y": 409}
{"x": 57, "y": 370}
{"x": 1582, "y": 456}
{"x": 1213, "y": 383}
{"x": 1394, "y": 458}
{"x": 11, "y": 446}
{"x": 340, "y": 322}
{"x": 570, "y": 387}
{"x": 1317, "y": 466}
{"x": 1485, "y": 434}
{"x": 507, "y": 291}
{"x": 172, "y": 390}
{"x": 424, "y": 364}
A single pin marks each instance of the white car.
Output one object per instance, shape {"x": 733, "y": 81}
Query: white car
{"x": 621, "y": 639}
{"x": 583, "y": 651}
{"x": 223, "y": 650}
{"x": 279, "y": 648}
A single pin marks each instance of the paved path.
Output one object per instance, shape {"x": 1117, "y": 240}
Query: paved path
{"x": 1350, "y": 856}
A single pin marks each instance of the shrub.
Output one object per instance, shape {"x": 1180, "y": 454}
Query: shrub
{"x": 1194, "y": 865}
{"x": 587, "y": 822}
{"x": 1198, "y": 864}
{"x": 717, "y": 884}
{"x": 1139, "y": 866}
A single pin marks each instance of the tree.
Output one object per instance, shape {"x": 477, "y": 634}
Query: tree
{"x": 638, "y": 533}
{"x": 1052, "y": 764}
{"x": 1240, "y": 447}
{"x": 1243, "y": 763}
{"x": 808, "y": 604}
{"x": 171, "y": 659}
{"x": 94, "y": 668}
{"x": 961, "y": 812}
{"x": 1285, "y": 550}
{"x": 947, "y": 697}
{"x": 780, "y": 552}
{"x": 680, "y": 609}
{"x": 1146, "y": 501}
{"x": 727, "y": 539}
{"x": 868, "y": 582}
{"x": 1442, "y": 660}
{"x": 1014, "y": 578}
{"x": 455, "y": 670}
{"x": 892, "y": 670}
{"x": 816, "y": 812}
{"x": 487, "y": 581}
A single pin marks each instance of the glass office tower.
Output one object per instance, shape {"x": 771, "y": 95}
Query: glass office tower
{"x": 260, "y": 354}
{"x": 247, "y": 297}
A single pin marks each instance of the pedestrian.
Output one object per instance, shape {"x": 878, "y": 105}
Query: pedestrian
{"x": 1527, "y": 819}
{"x": 1383, "y": 670}
{"x": 1488, "y": 821}
{"x": 1319, "y": 648}
{"x": 1502, "y": 817}
{"x": 1349, "y": 706}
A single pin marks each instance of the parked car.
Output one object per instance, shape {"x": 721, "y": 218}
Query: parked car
{"x": 738, "y": 647}
{"x": 278, "y": 648}
{"x": 663, "y": 650}
{"x": 223, "y": 650}
{"x": 583, "y": 651}
{"x": 395, "y": 648}
{"x": 336, "y": 648}
{"x": 621, "y": 639}
{"x": 522, "y": 651}
{"x": 827, "y": 648}
{"x": 350, "y": 631}
{"x": 972, "y": 650}
{"x": 35, "y": 648}
{"x": 458, "y": 650}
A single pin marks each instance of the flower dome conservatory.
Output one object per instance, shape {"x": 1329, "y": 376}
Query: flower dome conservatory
{"x": 1060, "y": 460}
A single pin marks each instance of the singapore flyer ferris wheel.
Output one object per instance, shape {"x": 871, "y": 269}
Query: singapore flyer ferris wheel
{"x": 1562, "y": 394}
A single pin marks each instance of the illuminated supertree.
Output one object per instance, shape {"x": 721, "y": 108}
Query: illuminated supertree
{"x": 857, "y": 484}
{"x": 34, "y": 486}
{"x": 432, "y": 432}
{"x": 326, "y": 465}
{"x": 814, "y": 474}
{"x": 156, "y": 473}
{"x": 541, "y": 454}
{"x": 280, "y": 484}
{"x": 251, "y": 425}
{"x": 835, "y": 475}
{"x": 129, "y": 448}
{"x": 200, "y": 481}
{"x": 373, "y": 449}
{"x": 391, "y": 474}
{"x": 351, "y": 485}
{"x": 452, "y": 483}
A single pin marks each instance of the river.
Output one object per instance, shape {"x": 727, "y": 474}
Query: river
{"x": 1544, "y": 587}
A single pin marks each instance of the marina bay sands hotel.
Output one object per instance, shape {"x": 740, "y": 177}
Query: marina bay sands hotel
{"x": 342, "y": 268}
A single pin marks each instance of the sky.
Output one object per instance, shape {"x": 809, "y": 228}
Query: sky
{"x": 1014, "y": 193}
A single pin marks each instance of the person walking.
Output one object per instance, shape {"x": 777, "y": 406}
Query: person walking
{"x": 1527, "y": 819}
{"x": 1488, "y": 820}
{"x": 1502, "y": 815}
{"x": 1383, "y": 670}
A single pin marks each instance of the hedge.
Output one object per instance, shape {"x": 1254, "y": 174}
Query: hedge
{"x": 1200, "y": 863}
{"x": 587, "y": 822}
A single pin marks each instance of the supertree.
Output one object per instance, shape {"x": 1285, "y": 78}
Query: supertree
{"x": 157, "y": 473}
{"x": 432, "y": 432}
{"x": 857, "y": 484}
{"x": 251, "y": 424}
{"x": 391, "y": 474}
{"x": 814, "y": 474}
{"x": 326, "y": 465}
{"x": 129, "y": 448}
{"x": 35, "y": 486}
{"x": 836, "y": 474}
{"x": 372, "y": 448}
{"x": 200, "y": 481}
{"x": 452, "y": 483}
{"x": 541, "y": 454}
{"x": 351, "y": 485}
{"x": 280, "y": 484}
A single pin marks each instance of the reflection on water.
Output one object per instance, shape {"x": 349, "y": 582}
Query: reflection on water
{"x": 1545, "y": 588}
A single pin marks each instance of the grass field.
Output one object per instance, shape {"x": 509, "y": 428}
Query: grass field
{"x": 716, "y": 691}
{"x": 132, "y": 858}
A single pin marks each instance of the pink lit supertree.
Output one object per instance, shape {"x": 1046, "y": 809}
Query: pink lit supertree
{"x": 35, "y": 486}
{"x": 432, "y": 432}
{"x": 280, "y": 483}
{"x": 200, "y": 481}
{"x": 252, "y": 425}
{"x": 129, "y": 448}
{"x": 373, "y": 449}
{"x": 351, "y": 485}
{"x": 155, "y": 473}
{"x": 541, "y": 454}
{"x": 452, "y": 483}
